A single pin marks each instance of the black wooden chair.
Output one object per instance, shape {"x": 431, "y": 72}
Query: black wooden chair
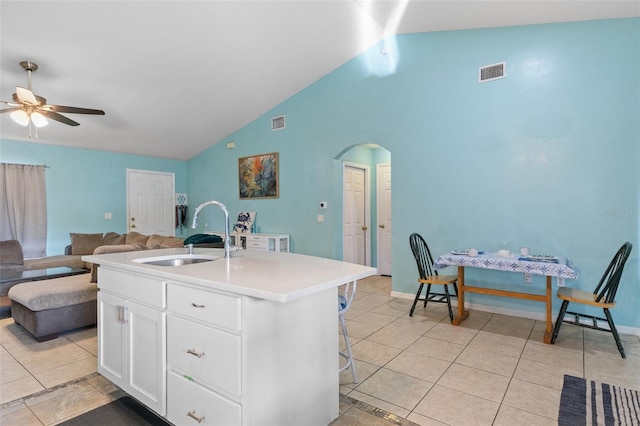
{"x": 429, "y": 276}
{"x": 602, "y": 297}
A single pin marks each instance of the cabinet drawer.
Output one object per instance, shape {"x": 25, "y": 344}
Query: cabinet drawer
{"x": 261, "y": 244}
{"x": 208, "y": 355}
{"x": 188, "y": 402}
{"x": 217, "y": 309}
{"x": 133, "y": 286}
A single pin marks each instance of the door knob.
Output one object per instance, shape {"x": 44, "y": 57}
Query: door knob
{"x": 381, "y": 226}
{"x": 364, "y": 228}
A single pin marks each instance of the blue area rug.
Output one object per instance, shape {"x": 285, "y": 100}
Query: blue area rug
{"x": 586, "y": 402}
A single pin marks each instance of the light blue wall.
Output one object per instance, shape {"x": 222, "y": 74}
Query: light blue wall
{"x": 545, "y": 158}
{"x": 82, "y": 185}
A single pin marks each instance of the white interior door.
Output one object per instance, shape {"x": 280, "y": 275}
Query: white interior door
{"x": 383, "y": 192}
{"x": 355, "y": 214}
{"x": 151, "y": 202}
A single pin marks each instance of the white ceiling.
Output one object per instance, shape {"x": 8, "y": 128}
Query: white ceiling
{"x": 175, "y": 77}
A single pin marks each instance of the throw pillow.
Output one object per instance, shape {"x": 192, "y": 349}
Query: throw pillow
{"x": 136, "y": 238}
{"x": 11, "y": 253}
{"x": 85, "y": 243}
{"x": 113, "y": 238}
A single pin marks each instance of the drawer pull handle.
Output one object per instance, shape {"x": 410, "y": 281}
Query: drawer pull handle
{"x": 193, "y": 352}
{"x": 192, "y": 414}
{"x": 195, "y": 305}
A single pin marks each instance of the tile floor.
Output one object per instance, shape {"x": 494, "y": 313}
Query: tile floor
{"x": 412, "y": 370}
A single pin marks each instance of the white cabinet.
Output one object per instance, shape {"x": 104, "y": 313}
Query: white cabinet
{"x": 132, "y": 336}
{"x": 260, "y": 241}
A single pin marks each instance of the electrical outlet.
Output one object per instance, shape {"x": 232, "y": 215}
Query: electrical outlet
{"x": 108, "y": 216}
{"x": 560, "y": 281}
{"x": 320, "y": 218}
{"x": 528, "y": 278}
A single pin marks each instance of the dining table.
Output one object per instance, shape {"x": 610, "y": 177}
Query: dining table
{"x": 548, "y": 266}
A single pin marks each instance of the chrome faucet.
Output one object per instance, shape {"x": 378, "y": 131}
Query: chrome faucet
{"x": 227, "y": 235}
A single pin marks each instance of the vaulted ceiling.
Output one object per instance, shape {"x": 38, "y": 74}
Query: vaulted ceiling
{"x": 175, "y": 77}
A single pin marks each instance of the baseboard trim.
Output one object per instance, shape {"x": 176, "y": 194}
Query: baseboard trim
{"x": 512, "y": 312}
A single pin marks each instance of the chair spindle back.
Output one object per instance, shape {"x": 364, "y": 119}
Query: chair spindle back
{"x": 422, "y": 255}
{"x": 608, "y": 285}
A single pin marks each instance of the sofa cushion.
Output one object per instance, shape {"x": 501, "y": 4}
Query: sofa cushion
{"x": 118, "y": 248}
{"x": 113, "y": 238}
{"x": 54, "y": 293}
{"x": 56, "y": 261}
{"x": 136, "y": 237}
{"x": 158, "y": 241}
{"x": 85, "y": 243}
{"x": 11, "y": 253}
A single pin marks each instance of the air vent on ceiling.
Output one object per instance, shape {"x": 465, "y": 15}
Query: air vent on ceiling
{"x": 277, "y": 123}
{"x": 492, "y": 72}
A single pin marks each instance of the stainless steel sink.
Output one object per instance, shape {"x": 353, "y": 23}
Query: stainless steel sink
{"x": 176, "y": 259}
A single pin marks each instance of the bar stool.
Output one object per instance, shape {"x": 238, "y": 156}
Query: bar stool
{"x": 344, "y": 302}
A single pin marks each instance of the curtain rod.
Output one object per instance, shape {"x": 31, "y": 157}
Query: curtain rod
{"x": 33, "y": 165}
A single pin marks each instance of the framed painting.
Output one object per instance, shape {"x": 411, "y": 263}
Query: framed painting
{"x": 258, "y": 176}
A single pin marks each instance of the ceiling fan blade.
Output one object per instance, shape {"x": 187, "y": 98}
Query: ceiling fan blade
{"x": 58, "y": 117}
{"x": 74, "y": 110}
{"x": 10, "y": 109}
{"x": 26, "y": 96}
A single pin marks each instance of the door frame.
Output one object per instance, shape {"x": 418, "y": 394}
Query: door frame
{"x": 367, "y": 207}
{"x": 378, "y": 208}
{"x": 149, "y": 172}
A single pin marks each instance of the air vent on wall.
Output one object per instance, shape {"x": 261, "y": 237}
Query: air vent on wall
{"x": 277, "y": 123}
{"x": 492, "y": 72}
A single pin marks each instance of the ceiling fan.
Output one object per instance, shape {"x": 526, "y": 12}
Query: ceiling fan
{"x": 27, "y": 108}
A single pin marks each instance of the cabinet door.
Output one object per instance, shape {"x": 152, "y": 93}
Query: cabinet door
{"x": 147, "y": 356}
{"x": 111, "y": 361}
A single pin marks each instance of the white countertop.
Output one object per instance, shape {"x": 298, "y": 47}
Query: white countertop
{"x": 262, "y": 274}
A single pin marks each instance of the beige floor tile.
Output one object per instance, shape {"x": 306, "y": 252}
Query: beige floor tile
{"x": 377, "y": 320}
{"x": 509, "y": 416}
{"x": 363, "y": 371}
{"x": 22, "y": 416}
{"x": 612, "y": 369}
{"x": 48, "y": 355}
{"x": 552, "y": 354}
{"x": 356, "y": 417}
{"x": 378, "y": 403}
{"x": 396, "y": 308}
{"x": 374, "y": 353}
{"x": 533, "y": 398}
{"x": 360, "y": 329}
{"x": 86, "y": 338}
{"x": 543, "y": 374}
{"x": 71, "y": 401}
{"x": 395, "y": 388}
{"x": 12, "y": 335}
{"x": 19, "y": 389}
{"x": 67, "y": 372}
{"x": 370, "y": 301}
{"x": 451, "y": 333}
{"x": 488, "y": 360}
{"x": 499, "y": 321}
{"x": 10, "y": 369}
{"x": 424, "y": 420}
{"x": 389, "y": 336}
{"x": 457, "y": 408}
{"x": 418, "y": 365}
{"x": 476, "y": 382}
{"x": 436, "y": 348}
{"x": 498, "y": 343}
{"x": 412, "y": 325}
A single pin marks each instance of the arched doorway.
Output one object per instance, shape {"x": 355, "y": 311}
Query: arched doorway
{"x": 365, "y": 188}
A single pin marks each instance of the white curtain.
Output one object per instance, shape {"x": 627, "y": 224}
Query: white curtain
{"x": 23, "y": 207}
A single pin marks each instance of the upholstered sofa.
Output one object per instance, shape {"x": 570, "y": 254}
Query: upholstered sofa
{"x": 48, "y": 307}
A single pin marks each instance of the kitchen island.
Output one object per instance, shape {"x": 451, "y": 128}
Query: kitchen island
{"x": 248, "y": 340}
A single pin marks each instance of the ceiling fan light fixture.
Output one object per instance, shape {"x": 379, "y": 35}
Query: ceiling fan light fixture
{"x": 38, "y": 119}
{"x": 21, "y": 117}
